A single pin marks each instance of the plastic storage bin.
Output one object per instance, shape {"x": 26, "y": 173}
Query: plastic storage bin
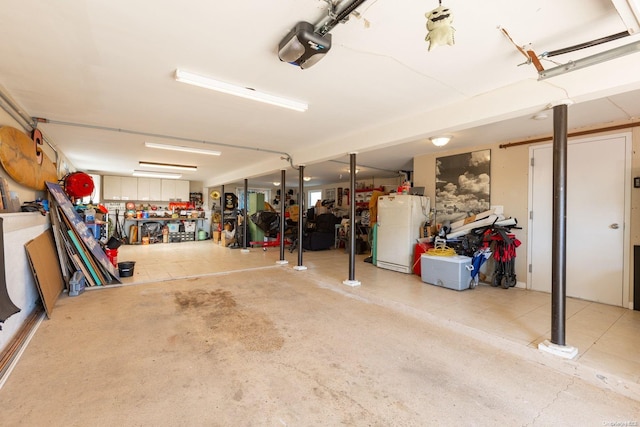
{"x": 452, "y": 272}
{"x": 77, "y": 284}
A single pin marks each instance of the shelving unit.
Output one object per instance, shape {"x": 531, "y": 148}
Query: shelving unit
{"x": 183, "y": 237}
{"x": 363, "y": 196}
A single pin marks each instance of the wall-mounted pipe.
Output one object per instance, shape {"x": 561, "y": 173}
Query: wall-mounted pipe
{"x": 572, "y": 134}
{"x": 17, "y": 113}
{"x": 156, "y": 135}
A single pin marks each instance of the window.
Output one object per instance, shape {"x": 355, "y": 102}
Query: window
{"x": 314, "y": 196}
{"x": 95, "y": 197}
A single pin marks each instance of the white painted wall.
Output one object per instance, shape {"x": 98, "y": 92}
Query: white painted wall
{"x": 20, "y": 228}
{"x": 509, "y": 188}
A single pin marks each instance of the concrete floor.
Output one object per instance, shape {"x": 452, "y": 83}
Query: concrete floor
{"x": 211, "y": 336}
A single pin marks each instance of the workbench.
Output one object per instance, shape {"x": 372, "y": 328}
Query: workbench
{"x": 167, "y": 220}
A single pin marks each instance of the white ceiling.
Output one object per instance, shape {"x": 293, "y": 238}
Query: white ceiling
{"x": 378, "y": 92}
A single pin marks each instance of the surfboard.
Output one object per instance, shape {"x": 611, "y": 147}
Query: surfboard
{"x": 465, "y": 229}
{"x": 23, "y": 159}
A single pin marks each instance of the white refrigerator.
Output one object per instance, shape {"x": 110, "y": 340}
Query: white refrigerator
{"x": 400, "y": 217}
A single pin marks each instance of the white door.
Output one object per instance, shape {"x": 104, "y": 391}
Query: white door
{"x": 597, "y": 174}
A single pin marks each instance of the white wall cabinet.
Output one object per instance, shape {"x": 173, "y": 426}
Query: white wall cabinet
{"x": 182, "y": 190}
{"x": 144, "y": 189}
{"x": 111, "y": 186}
{"x": 119, "y": 188}
{"x": 129, "y": 188}
{"x": 149, "y": 189}
{"x": 175, "y": 190}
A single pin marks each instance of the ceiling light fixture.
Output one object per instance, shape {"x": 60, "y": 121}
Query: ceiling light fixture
{"x": 440, "y": 141}
{"x": 182, "y": 148}
{"x": 243, "y": 92}
{"x": 168, "y": 166}
{"x": 149, "y": 174}
{"x": 307, "y": 178}
{"x": 276, "y": 183}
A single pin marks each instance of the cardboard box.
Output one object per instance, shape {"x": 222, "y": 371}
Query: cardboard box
{"x": 216, "y": 237}
{"x": 452, "y": 272}
{"x": 227, "y": 241}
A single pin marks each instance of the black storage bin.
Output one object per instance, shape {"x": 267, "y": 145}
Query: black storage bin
{"x": 125, "y": 268}
{"x": 317, "y": 241}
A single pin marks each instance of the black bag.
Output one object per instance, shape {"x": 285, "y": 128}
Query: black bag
{"x": 317, "y": 241}
{"x": 267, "y": 221}
{"x": 153, "y": 230}
{"x": 326, "y": 223}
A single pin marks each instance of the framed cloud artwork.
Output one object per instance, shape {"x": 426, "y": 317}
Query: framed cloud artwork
{"x": 463, "y": 185}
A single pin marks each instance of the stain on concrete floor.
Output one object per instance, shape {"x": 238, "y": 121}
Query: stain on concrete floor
{"x": 225, "y": 321}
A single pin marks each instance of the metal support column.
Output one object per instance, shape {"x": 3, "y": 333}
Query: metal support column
{"x": 282, "y": 218}
{"x": 300, "y": 217}
{"x": 559, "y": 238}
{"x": 223, "y": 200}
{"x": 352, "y": 223}
{"x": 559, "y": 228}
{"x": 245, "y": 219}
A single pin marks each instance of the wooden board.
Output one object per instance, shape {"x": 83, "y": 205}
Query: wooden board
{"x": 23, "y": 159}
{"x": 470, "y": 219}
{"x": 85, "y": 258}
{"x": 84, "y": 270}
{"x": 62, "y": 253}
{"x": 45, "y": 266}
{"x": 85, "y": 236}
{"x": 79, "y": 247}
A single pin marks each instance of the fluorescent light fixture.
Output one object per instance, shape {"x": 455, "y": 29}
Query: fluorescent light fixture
{"x": 168, "y": 166}
{"x": 182, "y": 148}
{"x": 440, "y": 141}
{"x": 148, "y": 174}
{"x": 243, "y": 92}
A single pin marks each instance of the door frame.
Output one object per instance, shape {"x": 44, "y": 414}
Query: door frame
{"x": 626, "y": 250}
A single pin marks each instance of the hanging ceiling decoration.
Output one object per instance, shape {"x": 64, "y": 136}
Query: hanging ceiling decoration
{"x": 440, "y": 31}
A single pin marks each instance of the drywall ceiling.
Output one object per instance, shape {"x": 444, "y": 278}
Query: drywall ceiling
{"x": 379, "y": 91}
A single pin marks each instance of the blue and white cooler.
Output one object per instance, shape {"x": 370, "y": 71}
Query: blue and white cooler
{"x": 452, "y": 272}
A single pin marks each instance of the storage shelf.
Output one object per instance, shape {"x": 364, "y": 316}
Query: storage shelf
{"x": 182, "y": 218}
